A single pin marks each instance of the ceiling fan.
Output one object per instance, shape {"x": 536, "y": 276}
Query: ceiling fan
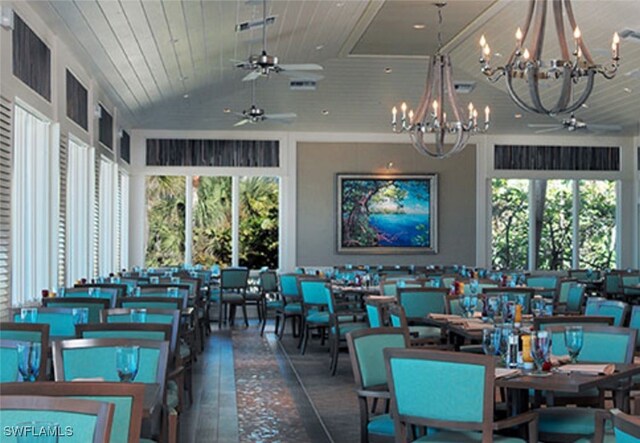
{"x": 256, "y": 115}
{"x": 572, "y": 124}
{"x": 265, "y": 64}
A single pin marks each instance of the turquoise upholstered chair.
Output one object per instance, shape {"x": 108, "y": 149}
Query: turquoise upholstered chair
{"x": 625, "y": 427}
{"x": 95, "y": 291}
{"x": 634, "y": 320}
{"x": 451, "y": 391}
{"x": 270, "y": 297}
{"x": 29, "y": 333}
{"x": 231, "y": 292}
{"x": 540, "y": 323}
{"x": 617, "y": 310}
{"x": 547, "y": 285}
{"x": 60, "y": 320}
{"x": 341, "y": 323}
{"x": 612, "y": 283}
{"x": 166, "y": 290}
{"x": 315, "y": 309}
{"x": 367, "y": 362}
{"x": 418, "y": 303}
{"x": 377, "y": 308}
{"x": 90, "y": 421}
{"x": 602, "y": 344}
{"x": 419, "y": 334}
{"x": 127, "y": 399}
{"x": 93, "y": 305}
{"x": 575, "y": 298}
{"x": 630, "y": 286}
{"x": 9, "y": 360}
{"x": 151, "y": 303}
{"x": 292, "y": 306}
{"x": 563, "y": 290}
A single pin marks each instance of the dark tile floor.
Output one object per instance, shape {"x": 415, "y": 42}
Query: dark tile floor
{"x": 258, "y": 389}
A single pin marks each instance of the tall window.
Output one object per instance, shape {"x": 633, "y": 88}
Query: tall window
{"x": 80, "y": 183}
{"x": 211, "y": 220}
{"x": 569, "y": 224}
{"x": 258, "y": 233}
{"x": 34, "y": 207}
{"x": 124, "y": 220}
{"x": 107, "y": 222}
{"x": 165, "y": 220}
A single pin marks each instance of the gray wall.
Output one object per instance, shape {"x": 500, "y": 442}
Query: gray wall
{"x": 318, "y": 164}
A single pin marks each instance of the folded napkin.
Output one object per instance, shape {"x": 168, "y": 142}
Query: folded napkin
{"x": 381, "y": 297}
{"x": 476, "y": 326}
{"x": 590, "y": 369}
{"x": 448, "y": 317}
{"x": 504, "y": 372}
{"x": 557, "y": 360}
{"x": 88, "y": 379}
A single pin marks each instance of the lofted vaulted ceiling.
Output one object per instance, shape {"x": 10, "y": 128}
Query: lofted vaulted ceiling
{"x": 167, "y": 63}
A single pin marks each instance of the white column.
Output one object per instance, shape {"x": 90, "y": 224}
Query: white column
{"x": 235, "y": 220}
{"x": 575, "y": 225}
{"x": 188, "y": 223}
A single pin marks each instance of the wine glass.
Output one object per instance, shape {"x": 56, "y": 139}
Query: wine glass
{"x": 540, "y": 349}
{"x": 127, "y": 361}
{"x": 154, "y": 280}
{"x": 493, "y": 307}
{"x": 138, "y": 315}
{"x": 490, "y": 341}
{"x": 468, "y": 304}
{"x": 173, "y": 292}
{"x": 80, "y": 315}
{"x": 28, "y": 315}
{"x": 537, "y": 306}
{"x": 573, "y": 340}
{"x": 29, "y": 360}
{"x": 474, "y": 286}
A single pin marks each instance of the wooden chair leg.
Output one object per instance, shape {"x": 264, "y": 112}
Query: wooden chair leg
{"x": 244, "y": 314}
{"x": 220, "y": 314}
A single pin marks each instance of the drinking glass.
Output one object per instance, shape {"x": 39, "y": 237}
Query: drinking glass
{"x": 38, "y": 432}
{"x": 490, "y": 341}
{"x": 573, "y": 339}
{"x": 474, "y": 286}
{"x": 127, "y": 360}
{"x": 60, "y": 291}
{"x": 80, "y": 316}
{"x": 175, "y": 280}
{"x": 493, "y": 307}
{"x": 137, "y": 292}
{"x": 29, "y": 360}
{"x": 138, "y": 315}
{"x": 537, "y": 306}
{"x": 91, "y": 292}
{"x": 173, "y": 292}
{"x": 540, "y": 349}
{"x": 28, "y": 315}
{"x": 505, "y": 330}
{"x": 154, "y": 280}
{"x": 115, "y": 280}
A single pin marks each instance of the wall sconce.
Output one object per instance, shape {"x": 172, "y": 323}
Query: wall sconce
{"x": 6, "y": 17}
{"x": 97, "y": 111}
{"x": 390, "y": 165}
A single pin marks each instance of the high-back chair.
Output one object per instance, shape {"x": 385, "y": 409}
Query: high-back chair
{"x": 563, "y": 290}
{"x": 61, "y": 321}
{"x": 90, "y": 421}
{"x": 625, "y": 427}
{"x": 450, "y": 391}
{"x": 315, "y": 309}
{"x": 122, "y": 288}
{"x": 93, "y": 305}
{"x": 29, "y": 333}
{"x": 419, "y": 335}
{"x": 292, "y": 306}
{"x": 376, "y": 308}
{"x": 270, "y": 297}
{"x": 418, "y": 303}
{"x": 151, "y": 303}
{"x": 545, "y": 285}
{"x": 541, "y": 323}
{"x": 611, "y": 285}
{"x": 166, "y": 290}
{"x": 630, "y": 286}
{"x": 127, "y": 399}
{"x": 341, "y": 322}
{"x": 575, "y": 298}
{"x": 601, "y": 344}
{"x": 231, "y": 293}
{"x": 94, "y": 291}
{"x": 9, "y": 360}
{"x": 618, "y": 310}
{"x": 367, "y": 362}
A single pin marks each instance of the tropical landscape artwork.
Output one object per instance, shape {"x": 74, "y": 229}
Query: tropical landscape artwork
{"x": 387, "y": 214}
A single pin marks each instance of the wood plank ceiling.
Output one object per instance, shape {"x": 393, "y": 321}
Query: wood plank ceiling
{"x": 168, "y": 65}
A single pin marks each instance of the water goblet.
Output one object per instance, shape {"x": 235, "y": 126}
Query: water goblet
{"x": 28, "y": 315}
{"x": 540, "y": 349}
{"x": 493, "y": 307}
{"x": 138, "y": 315}
{"x": 29, "y": 360}
{"x": 80, "y": 316}
{"x": 573, "y": 340}
{"x": 537, "y": 306}
{"x": 60, "y": 291}
{"x": 173, "y": 292}
{"x": 154, "y": 280}
{"x": 490, "y": 342}
{"x": 127, "y": 362}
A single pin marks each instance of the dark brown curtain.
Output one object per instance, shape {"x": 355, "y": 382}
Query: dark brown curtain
{"x": 77, "y": 102}
{"x": 31, "y": 59}
{"x": 229, "y": 153}
{"x": 557, "y": 158}
{"x": 105, "y": 129}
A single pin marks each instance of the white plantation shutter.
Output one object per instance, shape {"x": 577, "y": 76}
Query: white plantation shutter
{"x": 5, "y": 206}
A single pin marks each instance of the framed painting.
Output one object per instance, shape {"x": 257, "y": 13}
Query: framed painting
{"x": 387, "y": 214}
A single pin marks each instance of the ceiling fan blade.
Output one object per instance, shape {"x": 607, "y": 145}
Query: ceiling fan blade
{"x": 284, "y": 116}
{"x": 604, "y": 128}
{"x": 544, "y": 131}
{"x": 302, "y": 75}
{"x": 242, "y": 122}
{"x": 251, "y": 76}
{"x": 544, "y": 125}
{"x": 301, "y": 67}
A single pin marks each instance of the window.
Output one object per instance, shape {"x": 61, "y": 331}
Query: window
{"x": 80, "y": 183}
{"x": 124, "y": 220}
{"x": 568, "y": 223}
{"x": 165, "y": 220}
{"x": 258, "y": 230}
{"x": 107, "y": 222}
{"x": 211, "y": 220}
{"x": 34, "y": 207}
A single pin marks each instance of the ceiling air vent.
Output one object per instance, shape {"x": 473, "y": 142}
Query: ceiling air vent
{"x": 302, "y": 85}
{"x": 464, "y": 87}
{"x": 244, "y": 26}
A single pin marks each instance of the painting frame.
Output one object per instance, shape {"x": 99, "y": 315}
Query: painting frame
{"x": 416, "y": 182}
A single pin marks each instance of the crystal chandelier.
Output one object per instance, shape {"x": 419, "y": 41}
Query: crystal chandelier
{"x": 570, "y": 69}
{"x": 431, "y": 115}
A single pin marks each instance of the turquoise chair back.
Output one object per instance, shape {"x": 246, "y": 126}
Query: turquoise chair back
{"x": 634, "y": 319}
{"x": 389, "y": 288}
{"x": 151, "y": 318}
{"x": 98, "y": 292}
{"x": 615, "y": 309}
{"x": 563, "y": 292}
{"x": 612, "y": 283}
{"x": 602, "y": 344}
{"x": 367, "y": 346}
{"x": 575, "y": 298}
{"x": 9, "y": 361}
{"x": 269, "y": 281}
{"x": 314, "y": 292}
{"x": 139, "y": 302}
{"x": 234, "y": 278}
{"x": 418, "y": 303}
{"x": 82, "y": 421}
{"x": 395, "y": 319}
{"x": 543, "y": 281}
{"x": 289, "y": 285}
{"x": 630, "y": 280}
{"x": 35, "y": 332}
{"x": 438, "y": 386}
{"x": 60, "y": 321}
{"x": 374, "y": 315}
{"x": 625, "y": 427}
{"x": 92, "y": 308}
{"x": 141, "y": 335}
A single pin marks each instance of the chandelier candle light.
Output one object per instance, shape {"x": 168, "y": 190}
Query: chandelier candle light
{"x": 569, "y": 68}
{"x": 431, "y": 116}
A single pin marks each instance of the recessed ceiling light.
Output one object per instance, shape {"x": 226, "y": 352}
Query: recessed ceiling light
{"x": 185, "y": 96}
{"x": 627, "y": 90}
{"x": 419, "y": 26}
{"x": 319, "y": 47}
{"x": 226, "y": 110}
{"x": 388, "y": 70}
{"x": 517, "y": 115}
{"x": 339, "y": 5}
{"x": 585, "y": 106}
{"x": 325, "y": 112}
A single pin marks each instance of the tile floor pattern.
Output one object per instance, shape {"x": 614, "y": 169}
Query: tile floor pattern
{"x": 267, "y": 410}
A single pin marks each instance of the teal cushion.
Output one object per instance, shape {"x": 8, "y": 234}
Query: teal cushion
{"x": 318, "y": 318}
{"x": 345, "y": 328}
{"x": 381, "y": 425}
{"x": 580, "y": 421}
{"x": 293, "y": 308}
{"x": 464, "y": 437}
{"x": 370, "y": 358}
{"x": 425, "y": 331}
{"x": 232, "y": 297}
{"x": 8, "y": 334}
{"x": 275, "y": 304}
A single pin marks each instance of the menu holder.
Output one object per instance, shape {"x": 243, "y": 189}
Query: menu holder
{"x": 589, "y": 369}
